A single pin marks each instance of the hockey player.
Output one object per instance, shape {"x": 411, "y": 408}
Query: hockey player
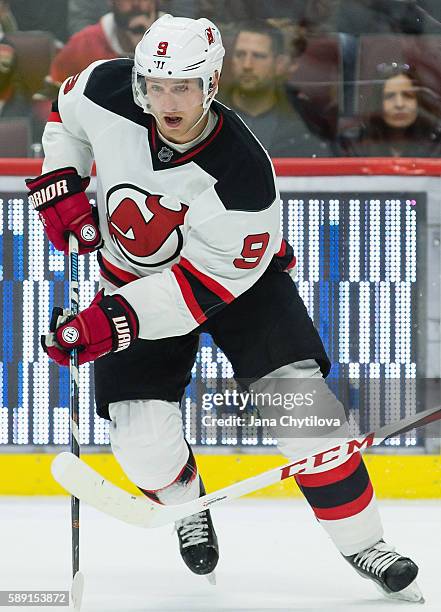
{"x": 188, "y": 238}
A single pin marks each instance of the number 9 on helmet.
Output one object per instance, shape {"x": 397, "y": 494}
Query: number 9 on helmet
{"x": 178, "y": 48}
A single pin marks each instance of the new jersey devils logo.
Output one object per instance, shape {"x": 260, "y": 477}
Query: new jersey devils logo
{"x": 145, "y": 227}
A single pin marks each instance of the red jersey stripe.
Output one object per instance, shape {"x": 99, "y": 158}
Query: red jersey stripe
{"x": 337, "y": 474}
{"x": 346, "y": 510}
{"x": 204, "y": 144}
{"x": 54, "y": 117}
{"x": 292, "y": 263}
{"x": 281, "y": 252}
{"x": 210, "y": 283}
{"x": 188, "y": 295}
{"x": 153, "y": 133}
{"x": 122, "y": 275}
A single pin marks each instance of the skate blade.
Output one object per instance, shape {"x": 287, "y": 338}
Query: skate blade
{"x": 411, "y": 593}
{"x": 76, "y": 591}
{"x": 211, "y": 578}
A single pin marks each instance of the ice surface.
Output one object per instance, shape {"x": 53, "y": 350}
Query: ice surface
{"x": 274, "y": 557}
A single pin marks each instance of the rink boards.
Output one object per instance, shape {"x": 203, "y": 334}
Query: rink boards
{"x": 33, "y": 406}
{"x": 393, "y": 476}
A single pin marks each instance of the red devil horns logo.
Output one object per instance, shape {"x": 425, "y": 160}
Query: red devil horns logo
{"x": 70, "y": 83}
{"x": 210, "y": 36}
{"x": 139, "y": 237}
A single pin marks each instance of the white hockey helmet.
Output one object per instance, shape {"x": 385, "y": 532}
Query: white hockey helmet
{"x": 178, "y": 48}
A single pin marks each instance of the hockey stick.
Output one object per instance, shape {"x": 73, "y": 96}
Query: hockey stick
{"x": 78, "y": 579}
{"x": 80, "y": 479}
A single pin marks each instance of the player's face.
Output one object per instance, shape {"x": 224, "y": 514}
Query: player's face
{"x": 254, "y": 63}
{"x": 177, "y": 106}
{"x": 400, "y": 103}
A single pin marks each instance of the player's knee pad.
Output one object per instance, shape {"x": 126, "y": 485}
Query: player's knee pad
{"x": 148, "y": 441}
{"x": 312, "y": 415}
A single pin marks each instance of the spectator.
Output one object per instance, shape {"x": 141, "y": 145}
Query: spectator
{"x": 258, "y": 66}
{"x": 13, "y": 102}
{"x": 46, "y": 15}
{"x": 7, "y": 21}
{"x": 115, "y": 35}
{"x": 403, "y": 122}
{"x": 15, "y": 98}
{"x": 84, "y": 12}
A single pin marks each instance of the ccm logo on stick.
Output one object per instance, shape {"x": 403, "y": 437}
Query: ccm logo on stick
{"x": 298, "y": 467}
{"x": 48, "y": 193}
{"x": 123, "y": 333}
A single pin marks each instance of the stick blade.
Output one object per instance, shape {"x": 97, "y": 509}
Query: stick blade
{"x": 80, "y": 480}
{"x": 61, "y": 465}
{"x": 77, "y": 590}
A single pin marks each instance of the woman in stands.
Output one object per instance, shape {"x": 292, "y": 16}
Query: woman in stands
{"x": 404, "y": 121}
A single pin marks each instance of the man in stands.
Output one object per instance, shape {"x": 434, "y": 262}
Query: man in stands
{"x": 116, "y": 34}
{"x": 256, "y": 94}
{"x": 84, "y": 12}
{"x": 13, "y": 103}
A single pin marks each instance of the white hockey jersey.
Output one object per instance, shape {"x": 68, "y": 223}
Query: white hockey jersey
{"x": 184, "y": 233}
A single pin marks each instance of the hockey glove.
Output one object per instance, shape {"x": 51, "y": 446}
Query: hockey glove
{"x": 108, "y": 325}
{"x": 63, "y": 207}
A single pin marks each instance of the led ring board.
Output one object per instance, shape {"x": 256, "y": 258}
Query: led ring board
{"x": 362, "y": 269}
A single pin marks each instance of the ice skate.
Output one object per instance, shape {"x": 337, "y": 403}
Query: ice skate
{"x": 198, "y": 544}
{"x": 393, "y": 574}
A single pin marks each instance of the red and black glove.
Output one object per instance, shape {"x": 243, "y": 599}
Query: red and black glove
{"x": 63, "y": 208}
{"x": 108, "y": 325}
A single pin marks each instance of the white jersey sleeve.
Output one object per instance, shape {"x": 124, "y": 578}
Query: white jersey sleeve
{"x": 65, "y": 141}
{"x": 223, "y": 256}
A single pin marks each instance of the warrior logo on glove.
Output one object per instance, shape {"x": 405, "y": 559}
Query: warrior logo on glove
{"x": 49, "y": 193}
{"x": 63, "y": 207}
{"x": 108, "y": 325}
{"x": 146, "y": 228}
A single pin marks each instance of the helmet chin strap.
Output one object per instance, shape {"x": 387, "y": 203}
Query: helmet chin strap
{"x": 204, "y": 114}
